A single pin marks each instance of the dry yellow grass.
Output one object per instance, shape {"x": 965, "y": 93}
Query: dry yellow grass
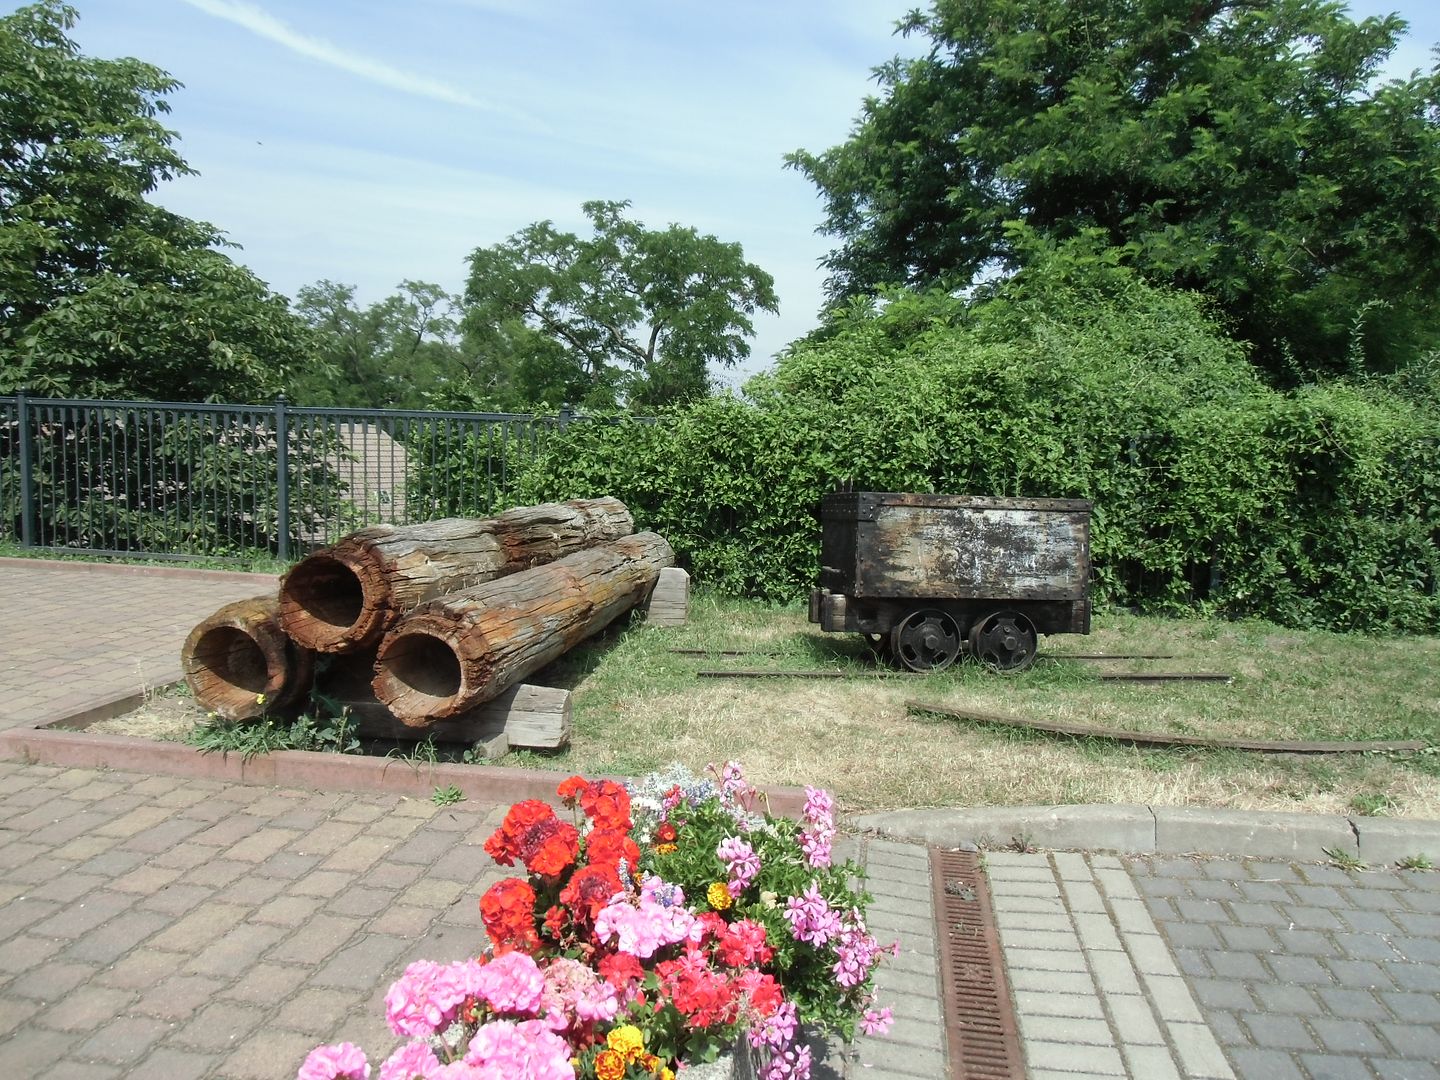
{"x": 639, "y": 706}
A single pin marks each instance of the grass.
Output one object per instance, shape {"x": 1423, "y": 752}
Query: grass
{"x": 638, "y": 706}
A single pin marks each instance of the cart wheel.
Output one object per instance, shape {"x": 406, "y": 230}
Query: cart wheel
{"x": 1003, "y": 641}
{"x": 926, "y": 640}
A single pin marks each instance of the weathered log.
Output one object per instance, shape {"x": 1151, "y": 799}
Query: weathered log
{"x": 534, "y": 717}
{"x": 460, "y": 650}
{"x": 240, "y": 664}
{"x": 346, "y": 596}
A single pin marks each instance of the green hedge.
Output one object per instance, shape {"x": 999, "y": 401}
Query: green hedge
{"x": 1314, "y": 508}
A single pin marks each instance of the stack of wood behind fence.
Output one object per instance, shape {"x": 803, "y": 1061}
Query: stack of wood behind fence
{"x": 427, "y": 630}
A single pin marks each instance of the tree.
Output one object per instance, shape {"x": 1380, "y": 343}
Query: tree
{"x": 629, "y": 314}
{"x": 1244, "y": 148}
{"x": 103, "y": 293}
{"x": 392, "y": 354}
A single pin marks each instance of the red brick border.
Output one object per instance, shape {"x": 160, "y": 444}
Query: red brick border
{"x": 303, "y": 768}
{"x": 77, "y": 566}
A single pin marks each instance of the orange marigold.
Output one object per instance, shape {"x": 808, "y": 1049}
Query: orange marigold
{"x": 609, "y": 1065}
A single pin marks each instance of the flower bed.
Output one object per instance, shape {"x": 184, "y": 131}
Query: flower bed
{"x": 653, "y": 930}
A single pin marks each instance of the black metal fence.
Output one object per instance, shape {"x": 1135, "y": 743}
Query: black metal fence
{"x": 174, "y": 480}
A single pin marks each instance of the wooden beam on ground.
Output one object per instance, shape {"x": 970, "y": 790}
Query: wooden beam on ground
{"x": 669, "y": 603}
{"x": 1150, "y": 738}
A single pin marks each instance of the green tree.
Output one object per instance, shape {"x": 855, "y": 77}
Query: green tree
{"x": 628, "y": 314}
{"x": 1245, "y": 148}
{"x": 103, "y": 293}
{"x": 394, "y": 353}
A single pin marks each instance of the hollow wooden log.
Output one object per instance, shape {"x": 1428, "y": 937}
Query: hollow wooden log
{"x": 344, "y": 597}
{"x": 240, "y": 664}
{"x": 460, "y": 650}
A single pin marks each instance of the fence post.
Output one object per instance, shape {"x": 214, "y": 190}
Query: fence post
{"x": 282, "y": 478}
{"x": 27, "y": 475}
{"x": 566, "y": 415}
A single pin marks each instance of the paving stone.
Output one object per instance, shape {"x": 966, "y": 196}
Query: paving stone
{"x": 1391, "y": 1069}
{"x": 1413, "y": 1008}
{"x": 1058, "y": 1004}
{"x": 1283, "y": 998}
{"x": 1413, "y": 1040}
{"x": 1134, "y": 1020}
{"x": 1255, "y": 939}
{"x": 1334, "y": 1067}
{"x": 1269, "y": 1064}
{"x": 1279, "y": 1032}
{"x": 1114, "y": 973}
{"x": 1192, "y": 962}
{"x": 1300, "y": 969}
{"x": 1347, "y": 1036}
{"x": 1151, "y": 1062}
{"x": 1199, "y": 1054}
{"x": 125, "y": 1040}
{"x": 1099, "y": 1060}
{"x": 1150, "y": 955}
{"x": 1222, "y": 994}
{"x": 1066, "y": 1029}
{"x": 1235, "y": 965}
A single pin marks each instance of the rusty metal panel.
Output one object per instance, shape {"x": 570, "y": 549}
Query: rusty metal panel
{"x": 971, "y": 552}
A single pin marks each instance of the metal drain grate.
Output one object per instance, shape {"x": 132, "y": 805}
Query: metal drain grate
{"x": 979, "y": 1017}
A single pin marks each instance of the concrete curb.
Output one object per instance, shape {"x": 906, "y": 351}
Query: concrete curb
{"x": 1166, "y": 830}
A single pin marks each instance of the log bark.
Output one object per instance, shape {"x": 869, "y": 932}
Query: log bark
{"x": 460, "y": 650}
{"x": 240, "y": 664}
{"x": 344, "y": 597}
{"x": 533, "y": 717}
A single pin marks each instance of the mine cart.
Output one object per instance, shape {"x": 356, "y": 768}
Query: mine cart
{"x": 927, "y": 577}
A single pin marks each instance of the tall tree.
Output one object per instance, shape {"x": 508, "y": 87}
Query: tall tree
{"x": 102, "y": 292}
{"x": 392, "y": 354}
{"x": 1245, "y": 148}
{"x": 628, "y": 314}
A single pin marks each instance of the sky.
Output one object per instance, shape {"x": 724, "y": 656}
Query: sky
{"x": 368, "y": 142}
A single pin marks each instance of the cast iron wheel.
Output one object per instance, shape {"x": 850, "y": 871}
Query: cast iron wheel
{"x": 926, "y": 640}
{"x": 1003, "y": 641}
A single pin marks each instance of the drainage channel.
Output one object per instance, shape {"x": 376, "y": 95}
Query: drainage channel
{"x": 980, "y": 1028}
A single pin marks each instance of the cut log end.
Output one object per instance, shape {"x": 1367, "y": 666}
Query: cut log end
{"x": 420, "y": 677}
{"x": 238, "y": 663}
{"x": 330, "y": 603}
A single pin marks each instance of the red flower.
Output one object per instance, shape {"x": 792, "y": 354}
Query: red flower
{"x": 666, "y": 833}
{"x": 590, "y": 889}
{"x": 555, "y": 921}
{"x": 570, "y": 790}
{"x": 763, "y": 991}
{"x": 607, "y": 804}
{"x": 508, "y": 909}
{"x": 606, "y": 847}
{"x": 619, "y": 969}
{"x": 742, "y": 943}
{"x": 532, "y": 833}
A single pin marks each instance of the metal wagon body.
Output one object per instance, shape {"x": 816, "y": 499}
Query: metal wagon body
{"x": 927, "y": 577}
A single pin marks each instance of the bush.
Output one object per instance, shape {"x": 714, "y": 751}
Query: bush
{"x": 1315, "y": 507}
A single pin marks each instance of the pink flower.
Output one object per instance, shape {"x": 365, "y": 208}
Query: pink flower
{"x": 876, "y": 1021}
{"x": 741, "y": 862}
{"x": 819, "y": 830}
{"x": 574, "y": 992}
{"x": 342, "y": 1061}
{"x": 425, "y": 999}
{"x": 414, "y": 1059}
{"x": 528, "y": 1050}
{"x": 793, "y": 1064}
{"x": 660, "y": 918}
{"x": 811, "y": 918}
{"x": 511, "y": 983}
{"x": 776, "y": 1031}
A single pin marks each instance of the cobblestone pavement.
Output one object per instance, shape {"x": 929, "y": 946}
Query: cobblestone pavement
{"x": 72, "y": 633}
{"x": 1216, "y": 969}
{"x": 169, "y": 928}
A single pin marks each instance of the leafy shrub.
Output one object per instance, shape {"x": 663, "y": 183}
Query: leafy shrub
{"x": 1315, "y": 507}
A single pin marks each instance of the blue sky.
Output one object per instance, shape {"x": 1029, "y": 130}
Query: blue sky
{"x": 367, "y": 141}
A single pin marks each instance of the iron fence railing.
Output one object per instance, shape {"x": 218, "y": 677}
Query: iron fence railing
{"x": 174, "y": 480}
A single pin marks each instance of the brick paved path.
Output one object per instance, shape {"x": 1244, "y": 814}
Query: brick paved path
{"x": 1163, "y": 968}
{"x": 1307, "y": 971}
{"x": 72, "y": 633}
{"x": 153, "y": 926}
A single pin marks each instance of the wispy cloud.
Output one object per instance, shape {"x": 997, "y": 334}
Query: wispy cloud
{"x": 259, "y": 21}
